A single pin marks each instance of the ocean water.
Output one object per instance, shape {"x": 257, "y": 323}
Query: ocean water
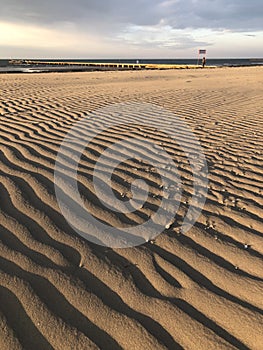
{"x": 5, "y": 66}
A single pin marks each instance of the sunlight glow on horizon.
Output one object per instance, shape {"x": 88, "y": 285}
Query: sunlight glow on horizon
{"x": 159, "y": 41}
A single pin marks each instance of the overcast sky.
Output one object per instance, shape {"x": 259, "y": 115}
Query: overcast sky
{"x": 132, "y": 29}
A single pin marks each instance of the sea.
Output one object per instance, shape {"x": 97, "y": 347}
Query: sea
{"x": 6, "y": 67}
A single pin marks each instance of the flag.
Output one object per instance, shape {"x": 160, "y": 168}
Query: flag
{"x": 202, "y": 52}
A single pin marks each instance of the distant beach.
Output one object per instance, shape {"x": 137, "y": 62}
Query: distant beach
{"x": 7, "y": 67}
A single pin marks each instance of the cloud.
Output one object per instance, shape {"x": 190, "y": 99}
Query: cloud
{"x": 236, "y": 15}
{"x": 160, "y": 36}
{"x": 111, "y": 15}
{"x": 64, "y": 38}
{"x": 95, "y": 27}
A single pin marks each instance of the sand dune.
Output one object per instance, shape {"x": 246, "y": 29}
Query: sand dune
{"x": 196, "y": 290}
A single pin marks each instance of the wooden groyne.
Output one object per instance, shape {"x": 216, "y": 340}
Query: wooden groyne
{"x": 108, "y": 66}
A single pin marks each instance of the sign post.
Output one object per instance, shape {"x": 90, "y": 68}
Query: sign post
{"x": 200, "y": 52}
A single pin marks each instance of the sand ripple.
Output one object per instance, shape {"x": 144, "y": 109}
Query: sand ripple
{"x": 201, "y": 290}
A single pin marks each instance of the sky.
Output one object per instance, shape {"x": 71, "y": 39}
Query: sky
{"x": 130, "y": 29}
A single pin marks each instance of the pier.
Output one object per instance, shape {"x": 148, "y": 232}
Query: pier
{"x": 109, "y": 66}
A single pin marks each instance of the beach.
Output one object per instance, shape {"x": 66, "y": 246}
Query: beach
{"x": 196, "y": 290}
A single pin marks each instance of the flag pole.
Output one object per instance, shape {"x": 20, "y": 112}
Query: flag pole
{"x": 198, "y": 57}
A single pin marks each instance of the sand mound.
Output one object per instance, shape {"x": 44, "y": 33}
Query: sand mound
{"x": 199, "y": 290}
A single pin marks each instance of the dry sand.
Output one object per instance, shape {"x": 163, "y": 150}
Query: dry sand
{"x": 201, "y": 290}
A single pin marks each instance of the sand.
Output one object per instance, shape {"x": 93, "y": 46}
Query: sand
{"x": 197, "y": 290}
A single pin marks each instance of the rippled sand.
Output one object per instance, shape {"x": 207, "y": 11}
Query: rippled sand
{"x": 199, "y": 290}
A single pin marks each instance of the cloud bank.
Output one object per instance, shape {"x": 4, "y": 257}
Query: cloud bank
{"x": 148, "y": 25}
